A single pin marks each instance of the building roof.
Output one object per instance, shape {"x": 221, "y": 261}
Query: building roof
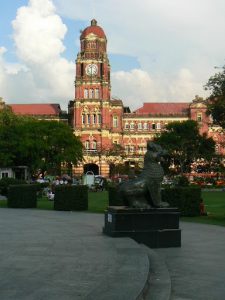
{"x": 94, "y": 28}
{"x": 36, "y": 109}
{"x": 163, "y": 109}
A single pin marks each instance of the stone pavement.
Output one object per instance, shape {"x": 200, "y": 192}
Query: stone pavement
{"x": 64, "y": 255}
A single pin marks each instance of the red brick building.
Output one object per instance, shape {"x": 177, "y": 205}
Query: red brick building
{"x": 101, "y": 121}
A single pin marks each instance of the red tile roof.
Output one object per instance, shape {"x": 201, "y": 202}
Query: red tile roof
{"x": 94, "y": 28}
{"x": 36, "y": 109}
{"x": 163, "y": 109}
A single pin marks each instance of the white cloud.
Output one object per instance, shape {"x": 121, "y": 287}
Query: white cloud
{"x": 43, "y": 73}
{"x": 177, "y": 43}
{"x": 166, "y": 37}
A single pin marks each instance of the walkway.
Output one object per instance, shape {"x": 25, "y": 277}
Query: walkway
{"x": 63, "y": 255}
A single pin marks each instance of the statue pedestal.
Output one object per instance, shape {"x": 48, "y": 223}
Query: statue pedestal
{"x": 154, "y": 227}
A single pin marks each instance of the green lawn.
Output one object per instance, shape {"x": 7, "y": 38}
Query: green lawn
{"x": 215, "y": 207}
{"x": 98, "y": 202}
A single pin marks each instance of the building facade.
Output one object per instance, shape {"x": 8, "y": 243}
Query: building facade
{"x": 111, "y": 134}
{"x": 102, "y": 122}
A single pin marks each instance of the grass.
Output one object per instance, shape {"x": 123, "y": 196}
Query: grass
{"x": 98, "y": 201}
{"x": 215, "y": 208}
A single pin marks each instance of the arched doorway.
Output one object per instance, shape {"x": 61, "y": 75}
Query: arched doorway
{"x": 91, "y": 167}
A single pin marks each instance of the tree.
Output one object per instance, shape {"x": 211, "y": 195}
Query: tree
{"x": 216, "y": 100}
{"x": 185, "y": 145}
{"x": 37, "y": 144}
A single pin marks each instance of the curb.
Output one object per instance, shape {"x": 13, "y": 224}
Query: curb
{"x": 158, "y": 284}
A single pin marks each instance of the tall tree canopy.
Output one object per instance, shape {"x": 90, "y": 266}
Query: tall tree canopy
{"x": 216, "y": 100}
{"x": 36, "y": 144}
{"x": 184, "y": 144}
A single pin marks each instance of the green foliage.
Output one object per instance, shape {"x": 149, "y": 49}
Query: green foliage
{"x": 5, "y": 182}
{"x": 184, "y": 144}
{"x": 186, "y": 199}
{"x": 37, "y": 144}
{"x": 216, "y": 100}
{"x": 182, "y": 181}
{"x": 22, "y": 196}
{"x": 71, "y": 197}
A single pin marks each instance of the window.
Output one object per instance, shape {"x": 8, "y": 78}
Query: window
{"x": 115, "y": 121}
{"x": 94, "y": 145}
{"x": 87, "y": 145}
{"x": 145, "y": 126}
{"x": 139, "y": 126}
{"x": 132, "y": 149}
{"x": 199, "y": 117}
{"x": 96, "y": 93}
{"x": 99, "y": 119}
{"x": 5, "y": 174}
{"x": 127, "y": 126}
{"x": 91, "y": 93}
{"x": 94, "y": 119}
{"x": 158, "y": 126}
{"x": 85, "y": 93}
{"x": 83, "y": 119}
{"x": 88, "y": 119}
{"x": 153, "y": 126}
{"x": 217, "y": 148}
{"x": 132, "y": 126}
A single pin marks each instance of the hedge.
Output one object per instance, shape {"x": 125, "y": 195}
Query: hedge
{"x": 5, "y": 182}
{"x": 186, "y": 199}
{"x": 22, "y": 196}
{"x": 71, "y": 197}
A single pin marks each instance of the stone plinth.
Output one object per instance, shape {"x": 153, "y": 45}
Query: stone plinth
{"x": 154, "y": 227}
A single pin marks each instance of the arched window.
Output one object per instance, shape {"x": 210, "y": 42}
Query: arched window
{"x": 91, "y": 93}
{"x": 99, "y": 119}
{"x": 145, "y": 126}
{"x": 88, "y": 119}
{"x": 96, "y": 93}
{"x": 94, "y": 119}
{"x": 83, "y": 118}
{"x": 87, "y": 145}
{"x": 132, "y": 126}
{"x": 115, "y": 121}
{"x": 139, "y": 126}
{"x": 199, "y": 117}
{"x": 94, "y": 145}
{"x": 85, "y": 93}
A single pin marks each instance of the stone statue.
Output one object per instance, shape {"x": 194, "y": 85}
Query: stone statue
{"x": 145, "y": 190}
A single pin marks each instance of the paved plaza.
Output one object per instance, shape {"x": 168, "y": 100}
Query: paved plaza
{"x": 64, "y": 255}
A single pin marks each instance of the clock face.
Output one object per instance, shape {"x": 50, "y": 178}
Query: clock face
{"x": 91, "y": 69}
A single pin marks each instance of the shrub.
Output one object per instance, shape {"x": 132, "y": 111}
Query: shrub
{"x": 71, "y": 197}
{"x": 22, "y": 196}
{"x": 114, "y": 199}
{"x": 182, "y": 181}
{"x": 5, "y": 182}
{"x": 186, "y": 199}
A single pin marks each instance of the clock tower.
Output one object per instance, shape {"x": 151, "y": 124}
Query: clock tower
{"x": 92, "y": 65}
{"x": 92, "y": 112}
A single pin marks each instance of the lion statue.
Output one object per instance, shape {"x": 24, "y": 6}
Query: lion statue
{"x": 145, "y": 190}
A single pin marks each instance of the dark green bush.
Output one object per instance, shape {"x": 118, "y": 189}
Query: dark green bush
{"x": 6, "y": 181}
{"x": 71, "y": 197}
{"x": 186, "y": 199}
{"x": 22, "y": 196}
{"x": 114, "y": 199}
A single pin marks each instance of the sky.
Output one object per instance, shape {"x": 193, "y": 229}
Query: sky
{"x": 159, "y": 50}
